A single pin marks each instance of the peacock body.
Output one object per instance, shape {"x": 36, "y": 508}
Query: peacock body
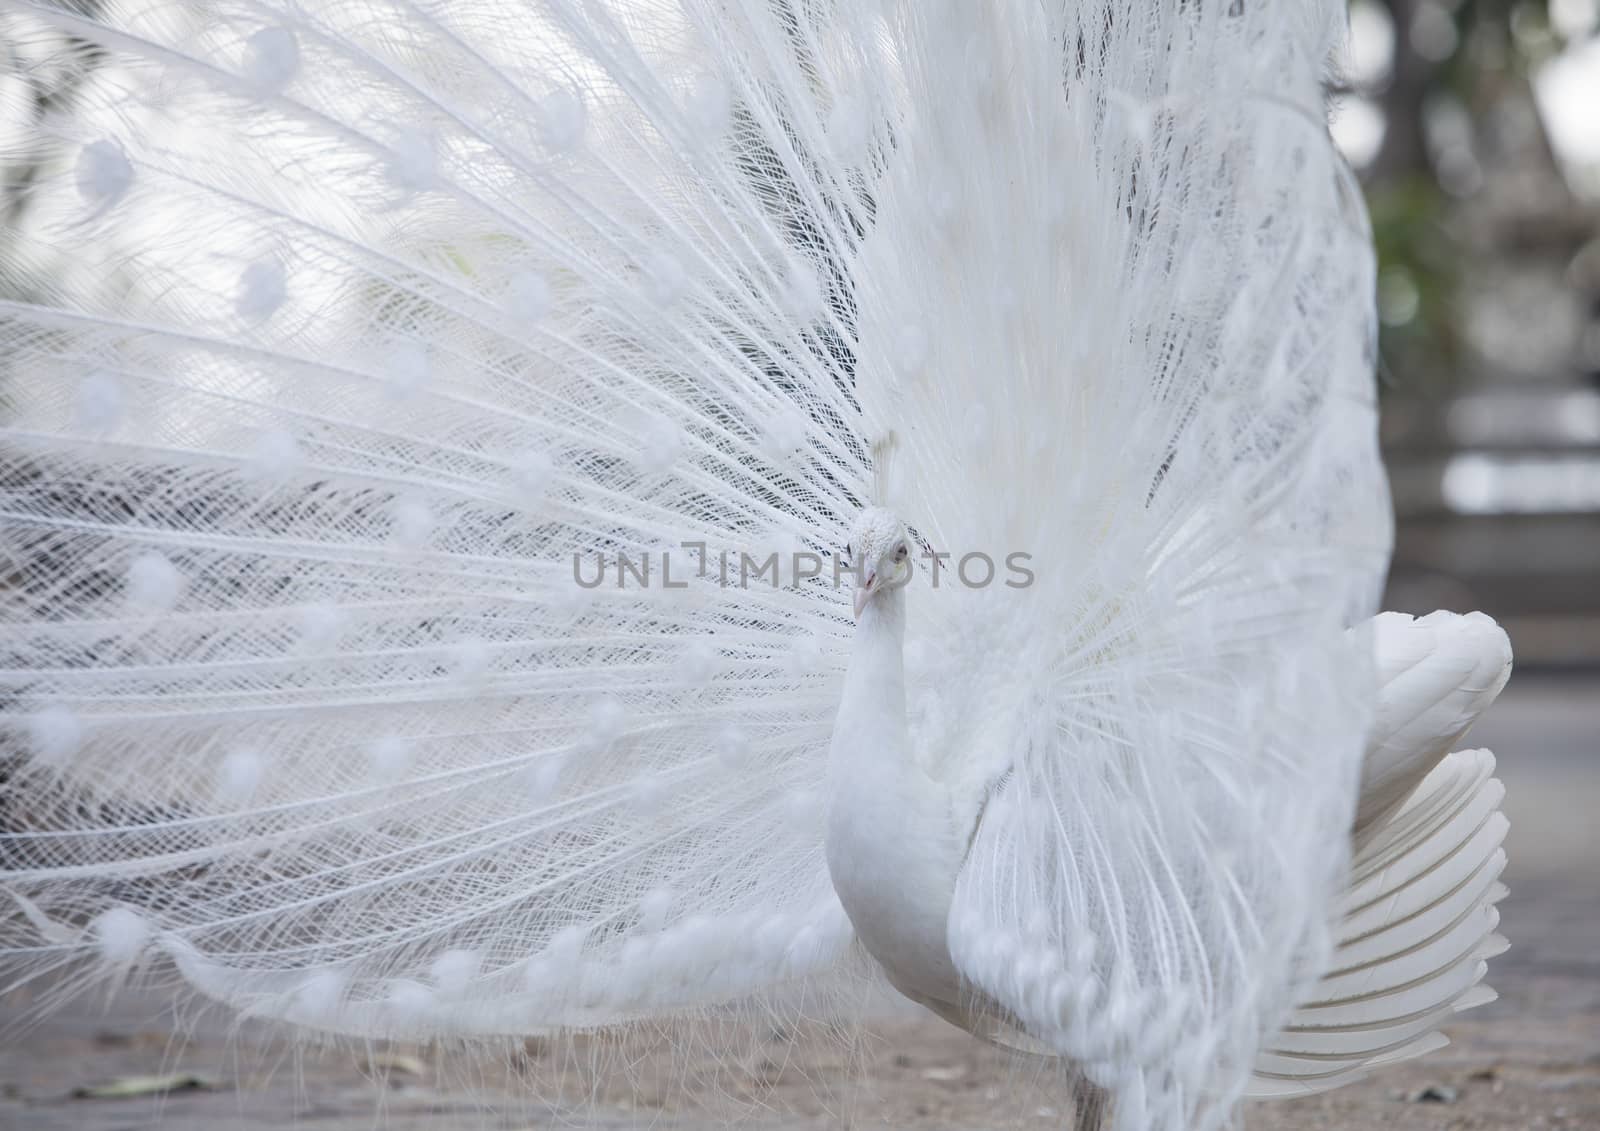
{"x": 379, "y": 329}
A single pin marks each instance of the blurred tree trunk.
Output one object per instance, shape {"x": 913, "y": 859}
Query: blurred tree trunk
{"x": 1404, "y": 152}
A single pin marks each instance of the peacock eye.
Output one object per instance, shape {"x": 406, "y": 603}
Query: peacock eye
{"x": 901, "y": 552}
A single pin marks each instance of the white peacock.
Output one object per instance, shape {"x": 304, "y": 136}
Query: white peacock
{"x": 369, "y": 318}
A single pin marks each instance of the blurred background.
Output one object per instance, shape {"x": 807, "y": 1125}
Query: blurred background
{"x": 1475, "y": 126}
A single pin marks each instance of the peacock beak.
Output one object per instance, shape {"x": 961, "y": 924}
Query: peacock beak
{"x": 868, "y": 587}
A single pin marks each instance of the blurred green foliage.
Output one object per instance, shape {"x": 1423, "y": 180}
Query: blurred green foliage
{"x": 1419, "y": 269}
{"x": 1468, "y": 69}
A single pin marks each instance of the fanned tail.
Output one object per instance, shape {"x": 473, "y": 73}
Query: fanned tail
{"x": 381, "y": 323}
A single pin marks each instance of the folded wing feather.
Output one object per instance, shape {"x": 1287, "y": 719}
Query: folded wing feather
{"x": 1418, "y": 921}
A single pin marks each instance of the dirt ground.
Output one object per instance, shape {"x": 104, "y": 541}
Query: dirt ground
{"x": 1529, "y": 1060}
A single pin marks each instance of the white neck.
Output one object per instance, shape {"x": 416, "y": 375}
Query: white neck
{"x": 872, "y": 710}
{"x": 892, "y": 845}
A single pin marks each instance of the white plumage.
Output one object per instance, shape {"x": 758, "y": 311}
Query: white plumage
{"x": 378, "y": 330}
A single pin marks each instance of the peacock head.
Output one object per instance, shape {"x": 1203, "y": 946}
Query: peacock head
{"x": 878, "y": 553}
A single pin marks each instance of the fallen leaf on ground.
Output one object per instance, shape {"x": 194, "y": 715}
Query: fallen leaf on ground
{"x": 125, "y": 1086}
{"x": 397, "y": 1062}
{"x": 1434, "y": 1094}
